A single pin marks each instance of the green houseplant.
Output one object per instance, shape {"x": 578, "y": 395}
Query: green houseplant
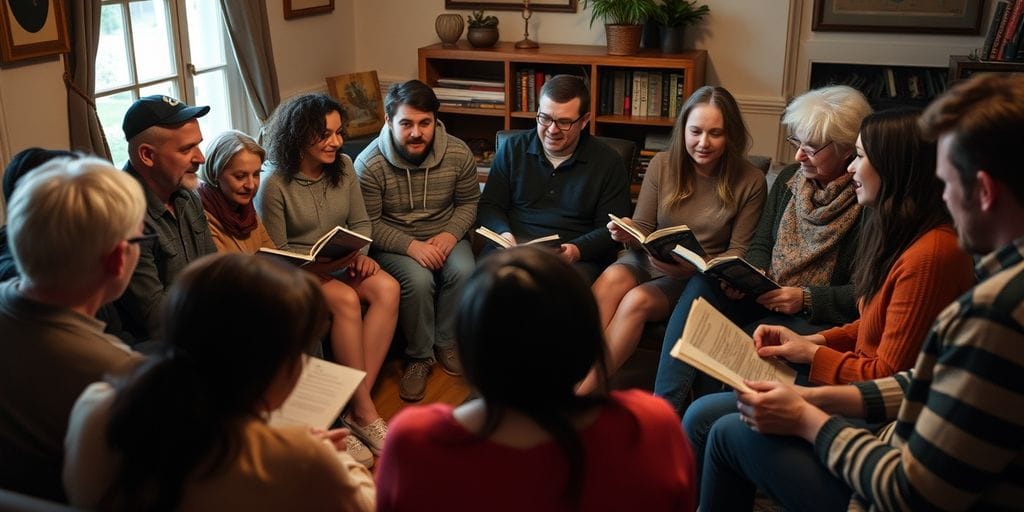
{"x": 623, "y": 22}
{"x": 483, "y": 30}
{"x": 674, "y": 16}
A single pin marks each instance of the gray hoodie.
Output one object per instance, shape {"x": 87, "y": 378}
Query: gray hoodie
{"x": 409, "y": 202}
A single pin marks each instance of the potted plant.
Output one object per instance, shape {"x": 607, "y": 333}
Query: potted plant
{"x": 674, "y": 16}
{"x": 623, "y": 22}
{"x": 483, "y": 30}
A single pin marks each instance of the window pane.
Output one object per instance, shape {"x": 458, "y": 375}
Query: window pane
{"x": 154, "y": 56}
{"x": 168, "y": 88}
{"x": 111, "y": 111}
{"x": 206, "y": 33}
{"x": 112, "y": 54}
{"x": 211, "y": 89}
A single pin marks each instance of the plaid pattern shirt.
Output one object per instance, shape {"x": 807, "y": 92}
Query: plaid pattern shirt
{"x": 958, "y": 439}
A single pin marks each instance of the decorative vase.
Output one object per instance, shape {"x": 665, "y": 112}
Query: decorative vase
{"x": 449, "y": 28}
{"x": 651, "y": 38}
{"x": 672, "y": 39}
{"x": 482, "y": 37}
{"x": 623, "y": 39}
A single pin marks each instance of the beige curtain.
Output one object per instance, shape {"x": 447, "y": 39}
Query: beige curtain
{"x": 80, "y": 78}
{"x": 249, "y": 31}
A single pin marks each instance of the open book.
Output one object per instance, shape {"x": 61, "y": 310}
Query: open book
{"x": 335, "y": 244}
{"x": 322, "y": 390}
{"x": 734, "y": 270}
{"x": 500, "y": 241}
{"x": 714, "y": 345}
{"x": 659, "y": 243}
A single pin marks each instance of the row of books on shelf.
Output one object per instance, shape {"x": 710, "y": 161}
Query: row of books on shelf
{"x": 889, "y": 82}
{"x": 641, "y": 93}
{"x": 528, "y": 83}
{"x": 470, "y": 93}
{"x": 1003, "y": 41}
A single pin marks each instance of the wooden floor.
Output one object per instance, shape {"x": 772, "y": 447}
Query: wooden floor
{"x": 441, "y": 387}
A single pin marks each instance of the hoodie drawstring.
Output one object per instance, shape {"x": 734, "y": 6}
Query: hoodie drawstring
{"x": 408, "y": 177}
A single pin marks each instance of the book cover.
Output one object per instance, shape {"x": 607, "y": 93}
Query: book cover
{"x": 335, "y": 244}
{"x": 733, "y": 270}
{"x": 321, "y": 392}
{"x": 504, "y": 243}
{"x": 714, "y": 345}
{"x": 660, "y": 242}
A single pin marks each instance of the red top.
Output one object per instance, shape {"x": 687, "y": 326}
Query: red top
{"x": 887, "y": 337}
{"x": 636, "y": 458}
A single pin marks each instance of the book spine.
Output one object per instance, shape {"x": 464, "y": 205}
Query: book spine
{"x": 524, "y": 84}
{"x": 665, "y": 95}
{"x": 654, "y": 94}
{"x": 997, "y": 44}
{"x": 619, "y": 95}
{"x": 680, "y": 94}
{"x": 1010, "y": 53}
{"x": 993, "y": 27}
{"x": 1011, "y": 29}
{"x": 627, "y": 100}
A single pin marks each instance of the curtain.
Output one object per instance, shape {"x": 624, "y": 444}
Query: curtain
{"x": 80, "y": 79}
{"x": 249, "y": 31}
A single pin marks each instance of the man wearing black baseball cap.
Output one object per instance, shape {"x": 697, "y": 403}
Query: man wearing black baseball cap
{"x": 163, "y": 154}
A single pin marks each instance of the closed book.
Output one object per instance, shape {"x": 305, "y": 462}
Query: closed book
{"x": 619, "y": 92}
{"x": 997, "y": 44}
{"x": 1011, "y": 29}
{"x": 654, "y": 94}
{"x": 663, "y": 112}
{"x": 627, "y": 100}
{"x": 1010, "y": 52}
{"x": 993, "y": 27}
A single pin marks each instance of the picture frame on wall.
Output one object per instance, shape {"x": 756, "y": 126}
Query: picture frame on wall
{"x": 30, "y": 30}
{"x": 300, "y": 8}
{"x": 360, "y": 96}
{"x": 506, "y": 5}
{"x": 921, "y": 16}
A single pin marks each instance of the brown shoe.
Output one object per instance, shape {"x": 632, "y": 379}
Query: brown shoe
{"x": 413, "y": 385}
{"x": 448, "y": 358}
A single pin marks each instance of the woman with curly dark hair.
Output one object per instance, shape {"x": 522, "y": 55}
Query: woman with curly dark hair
{"x": 312, "y": 189}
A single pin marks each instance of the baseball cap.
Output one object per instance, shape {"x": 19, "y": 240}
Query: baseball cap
{"x": 157, "y": 110}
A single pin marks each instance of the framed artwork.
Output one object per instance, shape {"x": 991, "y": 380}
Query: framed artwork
{"x": 300, "y": 8}
{"x": 359, "y": 94}
{"x": 920, "y": 16}
{"x": 506, "y": 5}
{"x": 32, "y": 29}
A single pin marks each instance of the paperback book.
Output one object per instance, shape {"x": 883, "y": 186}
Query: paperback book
{"x": 319, "y": 395}
{"x": 660, "y": 243}
{"x": 733, "y": 270}
{"x": 496, "y": 239}
{"x": 335, "y": 244}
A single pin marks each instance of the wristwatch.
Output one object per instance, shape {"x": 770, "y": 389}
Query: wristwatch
{"x": 807, "y": 300}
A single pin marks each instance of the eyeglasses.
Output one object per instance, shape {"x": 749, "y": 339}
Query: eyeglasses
{"x": 142, "y": 238}
{"x": 809, "y": 151}
{"x": 563, "y": 124}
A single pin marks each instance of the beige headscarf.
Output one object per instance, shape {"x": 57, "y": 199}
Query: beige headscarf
{"x": 811, "y": 227}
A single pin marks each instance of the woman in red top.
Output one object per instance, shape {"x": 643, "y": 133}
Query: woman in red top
{"x": 529, "y": 442}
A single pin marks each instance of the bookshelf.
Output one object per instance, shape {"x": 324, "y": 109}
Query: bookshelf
{"x": 962, "y": 67}
{"x": 884, "y": 86}
{"x": 507, "y": 65}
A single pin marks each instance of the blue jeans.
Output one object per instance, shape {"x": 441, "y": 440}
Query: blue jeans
{"x": 738, "y": 460}
{"x": 426, "y": 308}
{"x": 675, "y": 378}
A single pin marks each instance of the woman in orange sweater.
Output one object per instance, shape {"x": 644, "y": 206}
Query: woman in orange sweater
{"x": 908, "y": 267}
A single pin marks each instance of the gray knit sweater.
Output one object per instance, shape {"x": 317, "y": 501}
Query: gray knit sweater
{"x": 407, "y": 202}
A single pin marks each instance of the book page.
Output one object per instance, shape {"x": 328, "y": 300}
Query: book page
{"x": 550, "y": 240}
{"x": 322, "y": 390}
{"x": 339, "y": 243}
{"x": 632, "y": 231}
{"x": 688, "y": 255}
{"x": 494, "y": 237}
{"x": 713, "y": 344}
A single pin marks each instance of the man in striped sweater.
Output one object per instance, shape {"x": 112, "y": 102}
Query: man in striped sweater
{"x": 957, "y": 442}
{"x": 420, "y": 187}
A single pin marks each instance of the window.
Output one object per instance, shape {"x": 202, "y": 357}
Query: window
{"x": 175, "y": 47}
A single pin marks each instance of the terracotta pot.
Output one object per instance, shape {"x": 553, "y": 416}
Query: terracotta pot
{"x": 623, "y": 39}
{"x": 449, "y": 28}
{"x": 482, "y": 37}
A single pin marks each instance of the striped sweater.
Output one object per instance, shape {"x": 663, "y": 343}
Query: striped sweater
{"x": 409, "y": 202}
{"x": 958, "y": 439}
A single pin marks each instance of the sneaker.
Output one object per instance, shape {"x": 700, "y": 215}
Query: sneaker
{"x": 413, "y": 385}
{"x": 373, "y": 434}
{"x": 358, "y": 451}
{"x": 448, "y": 358}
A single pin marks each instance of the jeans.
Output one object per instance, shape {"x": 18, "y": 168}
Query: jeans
{"x": 738, "y": 460}
{"x": 675, "y": 379}
{"x": 426, "y": 308}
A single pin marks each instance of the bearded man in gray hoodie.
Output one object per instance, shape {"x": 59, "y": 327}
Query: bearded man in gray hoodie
{"x": 421, "y": 190}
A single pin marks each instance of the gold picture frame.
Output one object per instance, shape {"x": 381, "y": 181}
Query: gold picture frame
{"x": 30, "y": 30}
{"x": 360, "y": 96}
{"x": 921, "y": 17}
{"x": 300, "y": 8}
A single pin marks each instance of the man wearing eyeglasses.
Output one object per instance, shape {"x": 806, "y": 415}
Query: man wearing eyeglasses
{"x": 163, "y": 155}
{"x": 558, "y": 180}
{"x": 71, "y": 230}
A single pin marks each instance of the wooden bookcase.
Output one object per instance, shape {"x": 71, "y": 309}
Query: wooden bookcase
{"x": 962, "y": 67}
{"x": 477, "y": 126}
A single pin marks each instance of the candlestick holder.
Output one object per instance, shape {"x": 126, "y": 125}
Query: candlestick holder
{"x": 526, "y": 43}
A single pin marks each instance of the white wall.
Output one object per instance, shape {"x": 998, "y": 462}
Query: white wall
{"x": 33, "y": 107}
{"x": 309, "y": 49}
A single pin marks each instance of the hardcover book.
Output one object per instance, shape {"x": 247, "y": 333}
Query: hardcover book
{"x": 733, "y": 270}
{"x": 504, "y": 243}
{"x": 660, "y": 243}
{"x": 335, "y": 244}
